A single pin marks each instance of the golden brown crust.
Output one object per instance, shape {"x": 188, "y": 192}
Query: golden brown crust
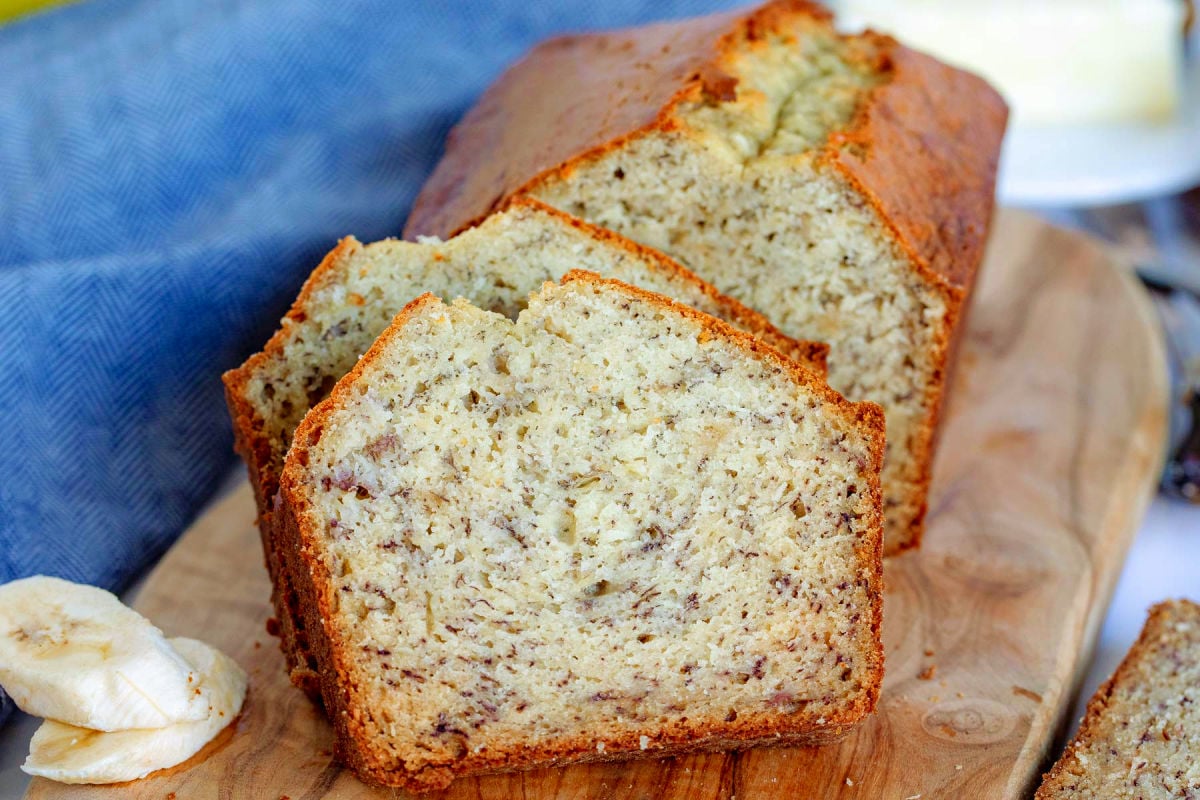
{"x": 925, "y": 142}
{"x": 1092, "y": 727}
{"x": 252, "y": 444}
{"x": 298, "y": 543}
{"x": 624, "y": 82}
{"x": 250, "y": 439}
{"x": 262, "y": 464}
{"x": 924, "y": 149}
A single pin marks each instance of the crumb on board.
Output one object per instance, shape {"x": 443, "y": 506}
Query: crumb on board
{"x": 927, "y": 673}
{"x": 929, "y": 653}
{"x": 1021, "y": 691}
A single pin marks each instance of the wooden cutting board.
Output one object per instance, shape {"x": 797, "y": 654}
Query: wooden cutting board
{"x": 1049, "y": 455}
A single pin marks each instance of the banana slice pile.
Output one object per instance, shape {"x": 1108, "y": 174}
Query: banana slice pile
{"x": 120, "y": 700}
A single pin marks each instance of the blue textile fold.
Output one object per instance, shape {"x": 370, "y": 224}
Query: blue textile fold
{"x": 170, "y": 171}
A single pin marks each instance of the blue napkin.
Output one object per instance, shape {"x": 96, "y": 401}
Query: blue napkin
{"x": 170, "y": 171}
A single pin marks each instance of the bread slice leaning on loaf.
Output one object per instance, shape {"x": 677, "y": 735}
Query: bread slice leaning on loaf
{"x": 841, "y": 185}
{"x": 1141, "y": 734}
{"x": 357, "y": 290}
{"x": 614, "y": 527}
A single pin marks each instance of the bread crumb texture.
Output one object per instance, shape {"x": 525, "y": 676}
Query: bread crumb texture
{"x": 739, "y": 195}
{"x": 610, "y": 527}
{"x": 356, "y": 291}
{"x": 353, "y": 297}
{"x": 1141, "y": 734}
{"x": 841, "y": 185}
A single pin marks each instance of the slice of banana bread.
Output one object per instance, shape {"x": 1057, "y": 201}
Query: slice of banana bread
{"x": 841, "y": 185}
{"x": 614, "y": 527}
{"x": 357, "y": 290}
{"x": 1141, "y": 734}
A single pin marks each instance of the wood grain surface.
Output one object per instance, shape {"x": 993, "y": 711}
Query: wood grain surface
{"x": 1048, "y": 457}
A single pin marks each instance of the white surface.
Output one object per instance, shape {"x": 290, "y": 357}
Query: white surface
{"x": 1101, "y": 164}
{"x": 1163, "y": 563}
{"x": 1061, "y": 62}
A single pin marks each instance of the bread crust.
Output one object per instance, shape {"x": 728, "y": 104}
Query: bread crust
{"x": 922, "y": 149}
{"x": 253, "y": 445}
{"x": 249, "y": 439}
{"x": 1092, "y": 727}
{"x": 336, "y": 674}
{"x": 934, "y": 189}
{"x": 925, "y": 142}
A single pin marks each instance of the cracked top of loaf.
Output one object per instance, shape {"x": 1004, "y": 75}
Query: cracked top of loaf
{"x": 920, "y": 139}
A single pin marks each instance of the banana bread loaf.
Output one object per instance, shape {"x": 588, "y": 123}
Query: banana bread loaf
{"x": 1141, "y": 733}
{"x": 613, "y": 527}
{"x": 357, "y": 290}
{"x": 841, "y": 185}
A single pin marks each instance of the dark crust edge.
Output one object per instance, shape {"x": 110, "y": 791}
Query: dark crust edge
{"x": 249, "y": 440}
{"x": 1097, "y": 708}
{"x": 252, "y": 444}
{"x": 341, "y": 695}
{"x": 880, "y": 176}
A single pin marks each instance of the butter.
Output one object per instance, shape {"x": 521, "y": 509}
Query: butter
{"x": 1057, "y": 62}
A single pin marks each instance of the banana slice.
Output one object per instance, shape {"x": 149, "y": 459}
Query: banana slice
{"x": 69, "y": 754}
{"x": 74, "y": 653}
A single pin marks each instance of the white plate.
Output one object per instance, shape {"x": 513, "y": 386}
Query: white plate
{"x": 1105, "y": 164}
